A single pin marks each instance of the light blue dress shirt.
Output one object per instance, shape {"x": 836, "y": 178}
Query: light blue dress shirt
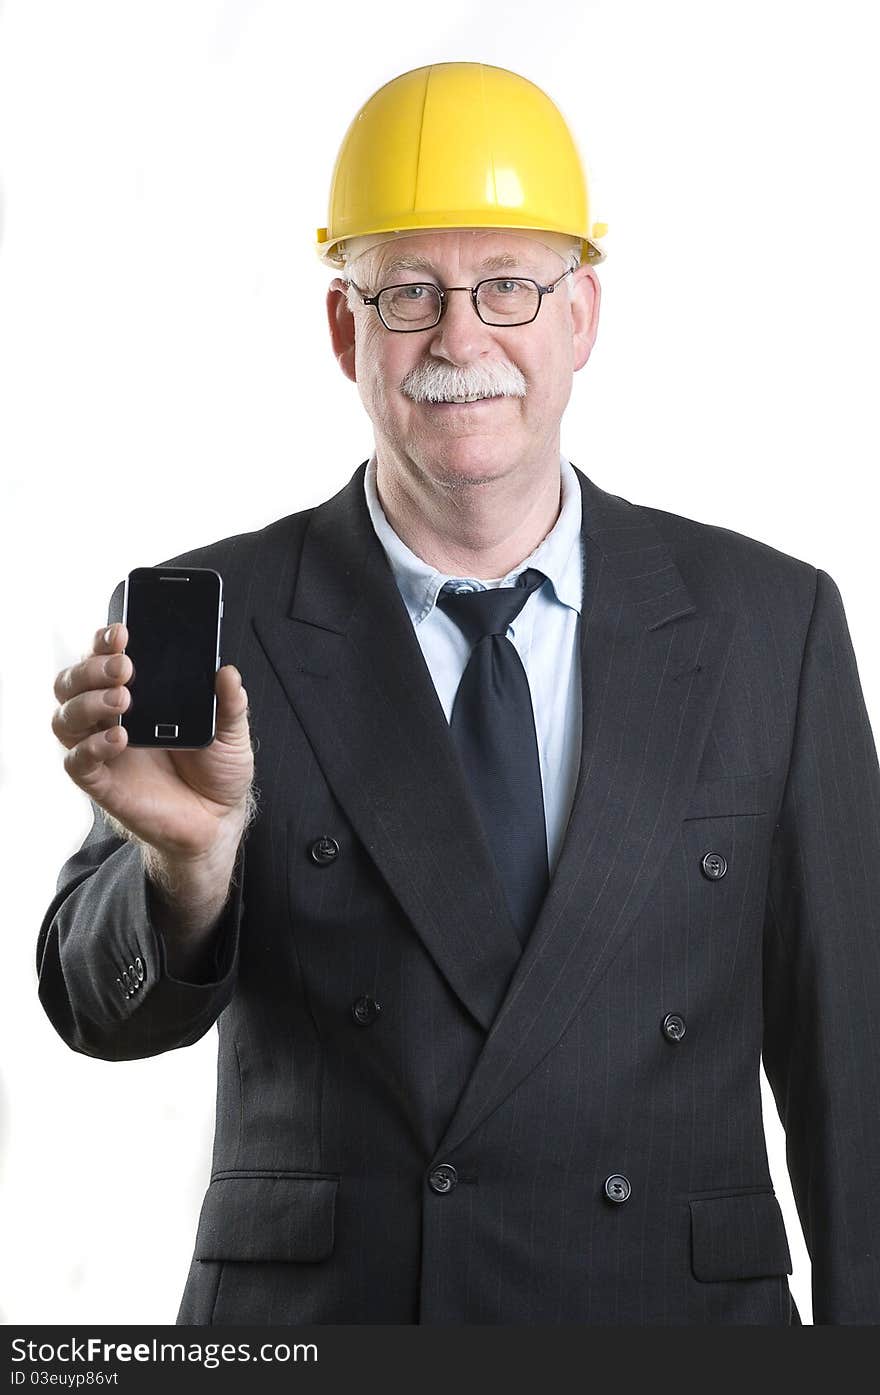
{"x": 546, "y": 635}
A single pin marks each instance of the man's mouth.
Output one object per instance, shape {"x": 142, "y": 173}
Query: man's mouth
{"x": 463, "y": 401}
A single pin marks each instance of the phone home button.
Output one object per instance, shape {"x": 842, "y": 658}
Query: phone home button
{"x": 166, "y": 730}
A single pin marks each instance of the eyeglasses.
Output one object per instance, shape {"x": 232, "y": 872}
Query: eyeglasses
{"x": 500, "y": 300}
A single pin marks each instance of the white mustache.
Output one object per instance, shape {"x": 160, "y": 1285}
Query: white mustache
{"x": 432, "y": 381}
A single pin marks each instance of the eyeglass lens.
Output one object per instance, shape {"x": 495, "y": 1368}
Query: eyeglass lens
{"x": 499, "y": 302}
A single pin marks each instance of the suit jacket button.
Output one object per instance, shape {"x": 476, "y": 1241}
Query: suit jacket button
{"x": 365, "y": 1010}
{"x": 673, "y": 1026}
{"x": 443, "y": 1178}
{"x": 324, "y": 849}
{"x": 713, "y": 865}
{"x": 617, "y": 1188}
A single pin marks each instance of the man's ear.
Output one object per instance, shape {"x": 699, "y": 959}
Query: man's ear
{"x": 584, "y": 314}
{"x": 341, "y": 322}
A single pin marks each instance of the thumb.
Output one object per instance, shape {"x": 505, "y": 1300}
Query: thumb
{"x": 232, "y": 706}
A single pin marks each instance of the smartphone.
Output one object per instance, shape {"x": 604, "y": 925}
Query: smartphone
{"x": 173, "y": 617}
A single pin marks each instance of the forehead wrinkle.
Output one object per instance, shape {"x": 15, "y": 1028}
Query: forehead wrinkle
{"x": 405, "y": 262}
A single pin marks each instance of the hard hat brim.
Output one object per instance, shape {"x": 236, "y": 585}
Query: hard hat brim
{"x": 331, "y": 252}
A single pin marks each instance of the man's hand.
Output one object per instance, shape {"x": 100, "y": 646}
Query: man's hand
{"x": 186, "y": 805}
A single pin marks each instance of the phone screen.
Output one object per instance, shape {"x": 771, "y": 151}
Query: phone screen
{"x": 173, "y": 620}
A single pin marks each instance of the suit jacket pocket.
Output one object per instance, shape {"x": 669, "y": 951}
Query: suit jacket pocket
{"x": 738, "y": 1236}
{"x": 269, "y": 1216}
{"x": 731, "y": 794}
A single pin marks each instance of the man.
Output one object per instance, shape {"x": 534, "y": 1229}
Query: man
{"x": 567, "y": 812}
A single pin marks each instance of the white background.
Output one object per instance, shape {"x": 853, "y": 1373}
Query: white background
{"x": 167, "y": 380}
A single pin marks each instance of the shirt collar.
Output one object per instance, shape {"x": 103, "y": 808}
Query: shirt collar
{"x": 558, "y": 555}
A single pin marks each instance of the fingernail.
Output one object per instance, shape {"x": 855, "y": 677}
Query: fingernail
{"x": 108, "y": 635}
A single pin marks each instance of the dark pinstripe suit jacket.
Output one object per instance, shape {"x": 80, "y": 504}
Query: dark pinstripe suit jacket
{"x": 417, "y": 1122}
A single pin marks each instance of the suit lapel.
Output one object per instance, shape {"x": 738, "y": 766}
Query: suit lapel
{"x": 351, "y": 665}
{"x": 651, "y": 667}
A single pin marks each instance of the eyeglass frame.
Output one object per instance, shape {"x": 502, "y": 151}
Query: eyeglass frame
{"x": 474, "y": 292}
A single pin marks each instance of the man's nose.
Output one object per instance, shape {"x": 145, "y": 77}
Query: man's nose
{"x": 461, "y": 334}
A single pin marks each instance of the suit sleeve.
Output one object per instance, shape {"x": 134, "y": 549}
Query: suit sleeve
{"x": 101, "y": 964}
{"x": 821, "y": 1046}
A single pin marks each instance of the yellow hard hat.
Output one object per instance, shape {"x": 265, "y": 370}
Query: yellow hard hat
{"x": 458, "y": 145}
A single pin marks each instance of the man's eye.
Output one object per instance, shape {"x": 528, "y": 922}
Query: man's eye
{"x": 413, "y": 292}
{"x": 506, "y": 286}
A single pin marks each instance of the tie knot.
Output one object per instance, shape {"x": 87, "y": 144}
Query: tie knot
{"x": 481, "y": 613}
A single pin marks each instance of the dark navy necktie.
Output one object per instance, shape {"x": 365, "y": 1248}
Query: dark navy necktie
{"x": 493, "y": 726}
